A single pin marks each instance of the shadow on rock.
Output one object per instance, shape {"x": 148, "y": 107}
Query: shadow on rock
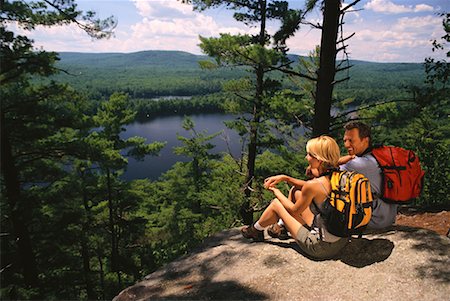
{"x": 358, "y": 253}
{"x": 362, "y": 252}
{"x": 224, "y": 290}
{"x": 438, "y": 248}
{"x": 193, "y": 279}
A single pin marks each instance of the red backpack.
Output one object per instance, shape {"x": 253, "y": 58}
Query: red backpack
{"x": 401, "y": 172}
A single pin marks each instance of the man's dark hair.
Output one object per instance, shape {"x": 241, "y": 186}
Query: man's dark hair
{"x": 363, "y": 129}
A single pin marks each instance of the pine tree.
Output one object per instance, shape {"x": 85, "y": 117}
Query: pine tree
{"x": 260, "y": 54}
{"x": 28, "y": 128}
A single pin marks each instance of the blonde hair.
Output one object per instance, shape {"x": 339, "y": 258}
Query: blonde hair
{"x": 326, "y": 149}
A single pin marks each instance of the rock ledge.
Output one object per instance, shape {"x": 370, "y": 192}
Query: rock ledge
{"x": 402, "y": 263}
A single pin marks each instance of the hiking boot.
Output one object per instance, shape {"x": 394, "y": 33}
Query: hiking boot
{"x": 251, "y": 233}
{"x": 278, "y": 231}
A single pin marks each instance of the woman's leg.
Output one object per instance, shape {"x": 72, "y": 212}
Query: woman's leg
{"x": 307, "y": 214}
{"x": 275, "y": 211}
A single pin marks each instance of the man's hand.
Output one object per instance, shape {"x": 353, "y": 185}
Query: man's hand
{"x": 345, "y": 159}
{"x": 312, "y": 172}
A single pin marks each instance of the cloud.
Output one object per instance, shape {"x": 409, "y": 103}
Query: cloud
{"x": 163, "y": 9}
{"x": 388, "y": 7}
{"x": 164, "y": 25}
{"x": 408, "y": 39}
{"x": 171, "y": 25}
{"x": 168, "y": 24}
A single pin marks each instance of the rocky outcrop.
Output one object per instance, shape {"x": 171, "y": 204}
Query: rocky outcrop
{"x": 402, "y": 263}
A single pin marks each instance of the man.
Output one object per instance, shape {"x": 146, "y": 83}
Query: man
{"x": 358, "y": 142}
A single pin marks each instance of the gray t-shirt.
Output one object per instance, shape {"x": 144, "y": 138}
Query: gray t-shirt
{"x": 383, "y": 214}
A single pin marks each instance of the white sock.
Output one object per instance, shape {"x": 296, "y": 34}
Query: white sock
{"x": 280, "y": 222}
{"x": 258, "y": 226}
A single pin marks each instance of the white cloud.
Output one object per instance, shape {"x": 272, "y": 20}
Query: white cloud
{"x": 178, "y": 29}
{"x": 386, "y": 6}
{"x": 304, "y": 42}
{"x": 408, "y": 39}
{"x": 423, "y": 8}
{"x": 163, "y": 9}
{"x": 169, "y": 24}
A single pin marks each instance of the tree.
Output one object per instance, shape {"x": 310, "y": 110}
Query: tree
{"x": 327, "y": 68}
{"x": 24, "y": 127}
{"x": 108, "y": 144}
{"x": 260, "y": 54}
{"x": 197, "y": 147}
{"x": 332, "y": 23}
{"x": 421, "y": 124}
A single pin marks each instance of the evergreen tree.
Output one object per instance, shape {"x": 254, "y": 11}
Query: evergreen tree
{"x": 32, "y": 119}
{"x": 111, "y": 118}
{"x": 331, "y": 37}
{"x": 197, "y": 147}
{"x": 261, "y": 54}
{"x": 421, "y": 124}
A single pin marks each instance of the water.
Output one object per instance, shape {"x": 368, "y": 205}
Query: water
{"x": 165, "y": 129}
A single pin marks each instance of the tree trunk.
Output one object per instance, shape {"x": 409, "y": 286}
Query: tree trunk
{"x": 102, "y": 275}
{"x": 246, "y": 211}
{"x": 85, "y": 247}
{"x": 112, "y": 226}
{"x": 327, "y": 68}
{"x": 86, "y": 268}
{"x": 18, "y": 212}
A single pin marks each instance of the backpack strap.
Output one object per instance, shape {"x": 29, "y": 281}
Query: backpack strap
{"x": 324, "y": 189}
{"x": 367, "y": 151}
{"x": 317, "y": 207}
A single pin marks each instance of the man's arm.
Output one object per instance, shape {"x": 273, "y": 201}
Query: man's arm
{"x": 345, "y": 159}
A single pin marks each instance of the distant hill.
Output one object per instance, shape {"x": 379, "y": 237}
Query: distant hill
{"x": 148, "y": 74}
{"x": 142, "y": 59}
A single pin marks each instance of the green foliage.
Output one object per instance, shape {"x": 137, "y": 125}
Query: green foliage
{"x": 146, "y": 74}
{"x": 197, "y": 147}
{"x": 260, "y": 54}
{"x": 149, "y": 108}
{"x": 421, "y": 124}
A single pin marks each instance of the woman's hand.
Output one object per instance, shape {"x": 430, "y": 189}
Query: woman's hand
{"x": 277, "y": 192}
{"x": 273, "y": 189}
{"x": 270, "y": 182}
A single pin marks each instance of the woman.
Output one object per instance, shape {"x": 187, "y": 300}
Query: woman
{"x": 300, "y": 211}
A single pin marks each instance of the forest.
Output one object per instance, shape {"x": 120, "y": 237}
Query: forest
{"x": 73, "y": 229}
{"x": 153, "y": 74}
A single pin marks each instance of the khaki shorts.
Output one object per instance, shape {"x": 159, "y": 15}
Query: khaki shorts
{"x": 311, "y": 244}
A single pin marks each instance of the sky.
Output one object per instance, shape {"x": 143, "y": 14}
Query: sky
{"x": 385, "y": 30}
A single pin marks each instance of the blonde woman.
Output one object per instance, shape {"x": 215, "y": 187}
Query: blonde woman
{"x": 300, "y": 211}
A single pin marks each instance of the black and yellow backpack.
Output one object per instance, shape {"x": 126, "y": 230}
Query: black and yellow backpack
{"x": 348, "y": 209}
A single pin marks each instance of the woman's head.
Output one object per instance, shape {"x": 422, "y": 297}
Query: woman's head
{"x": 325, "y": 149}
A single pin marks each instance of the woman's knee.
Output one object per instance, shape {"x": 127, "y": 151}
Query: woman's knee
{"x": 276, "y": 204}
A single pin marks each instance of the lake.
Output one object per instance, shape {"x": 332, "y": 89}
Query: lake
{"x": 165, "y": 129}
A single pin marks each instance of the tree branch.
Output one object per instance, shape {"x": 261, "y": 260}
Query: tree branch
{"x": 373, "y": 105}
{"x": 350, "y": 5}
{"x": 344, "y": 68}
{"x": 341, "y": 80}
{"x": 292, "y": 72}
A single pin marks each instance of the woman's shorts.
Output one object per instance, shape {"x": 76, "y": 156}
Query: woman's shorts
{"x": 312, "y": 245}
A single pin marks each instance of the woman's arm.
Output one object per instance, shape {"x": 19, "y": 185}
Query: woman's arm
{"x": 303, "y": 198}
{"x": 274, "y": 180}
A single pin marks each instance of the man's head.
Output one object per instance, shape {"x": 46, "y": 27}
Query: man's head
{"x": 357, "y": 137}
